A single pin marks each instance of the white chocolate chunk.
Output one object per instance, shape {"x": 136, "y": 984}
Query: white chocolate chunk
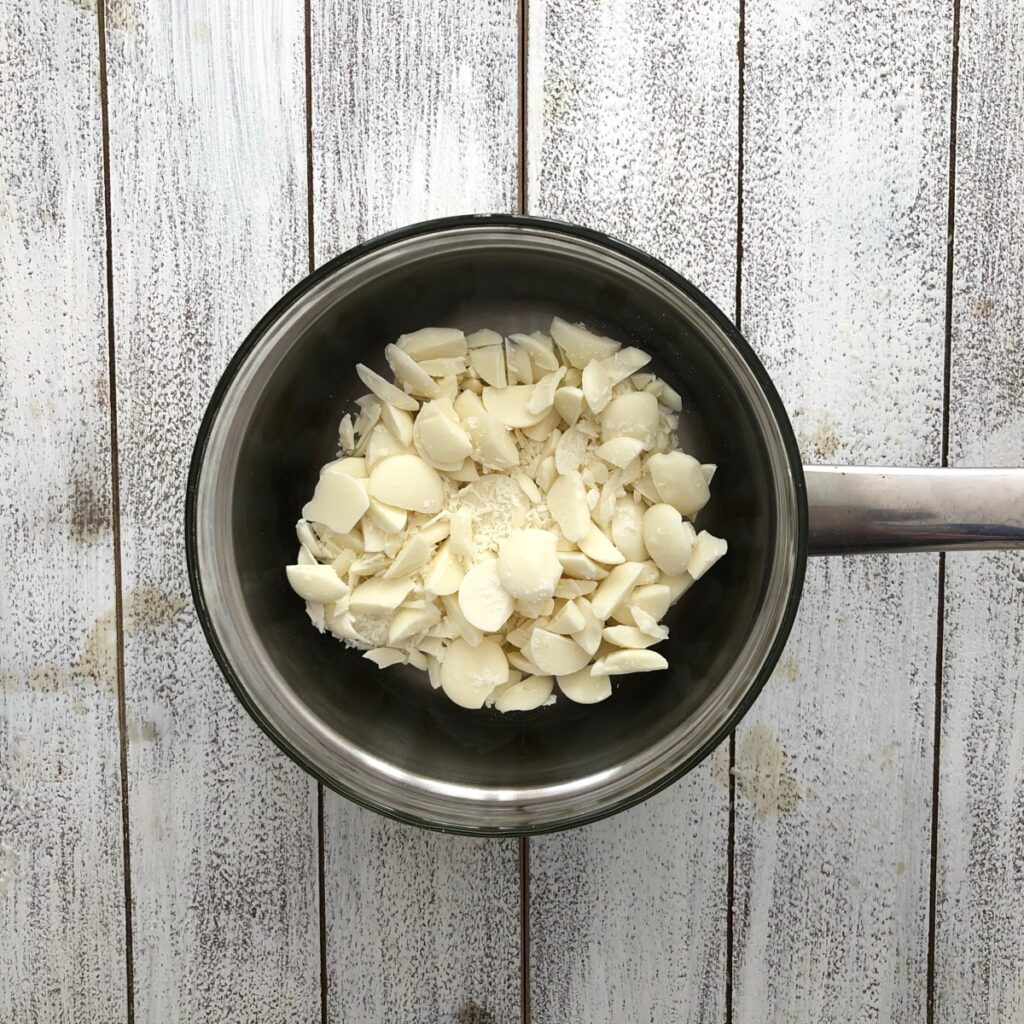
{"x": 630, "y": 637}
{"x": 618, "y": 663}
{"x": 555, "y": 655}
{"x": 410, "y": 373}
{"x": 384, "y": 390}
{"x": 381, "y": 445}
{"x": 528, "y": 565}
{"x": 435, "y": 531}
{"x": 385, "y": 657}
{"x": 624, "y": 363}
{"x": 305, "y": 556}
{"x": 647, "y": 624}
{"x": 652, "y": 600}
{"x": 386, "y": 518}
{"x": 493, "y": 444}
{"x": 567, "y": 503}
{"x": 597, "y": 546}
{"x": 597, "y": 388}
{"x": 399, "y": 422}
{"x": 569, "y": 403}
{"x": 680, "y": 481}
{"x": 544, "y": 391}
{"x": 571, "y": 449}
{"x": 414, "y": 554}
{"x": 529, "y": 488}
{"x": 567, "y": 620}
{"x": 543, "y": 427}
{"x": 518, "y": 366}
{"x": 490, "y": 364}
{"x": 534, "y": 609}
{"x": 469, "y": 674}
{"x": 578, "y": 345}
{"x": 447, "y": 368}
{"x": 611, "y": 592}
{"x": 433, "y": 343}
{"x": 620, "y": 451}
{"x": 631, "y": 415}
{"x": 539, "y": 350}
{"x": 316, "y": 614}
{"x": 511, "y": 405}
{"x": 584, "y": 688}
{"x": 707, "y": 549}
{"x": 350, "y": 466}
{"x": 466, "y": 629}
{"x": 406, "y": 481}
{"x": 627, "y": 529}
{"x": 578, "y": 565}
{"x": 526, "y": 695}
{"x": 462, "y": 533}
{"x": 546, "y": 473}
{"x": 339, "y": 502}
{"x": 484, "y": 601}
{"x": 444, "y": 574}
{"x": 317, "y": 583}
{"x": 378, "y": 596}
{"x": 408, "y": 622}
{"x": 667, "y": 538}
{"x": 439, "y": 439}
{"x": 519, "y": 661}
{"x": 346, "y": 434}
{"x": 483, "y": 339}
{"x": 589, "y": 637}
{"x": 568, "y": 589}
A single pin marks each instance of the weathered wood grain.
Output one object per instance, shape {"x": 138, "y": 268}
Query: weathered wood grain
{"x": 208, "y": 208}
{"x": 61, "y": 888}
{"x": 414, "y": 116}
{"x": 632, "y": 128}
{"x": 979, "y": 942}
{"x": 845, "y": 196}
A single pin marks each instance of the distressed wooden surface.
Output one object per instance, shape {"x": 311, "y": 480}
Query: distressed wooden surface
{"x": 207, "y": 150}
{"x": 979, "y": 949}
{"x": 632, "y": 123}
{"x": 61, "y": 890}
{"x": 845, "y": 200}
{"x": 632, "y": 127}
{"x": 414, "y": 117}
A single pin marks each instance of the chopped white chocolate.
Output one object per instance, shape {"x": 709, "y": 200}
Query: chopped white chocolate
{"x": 526, "y": 695}
{"x": 555, "y": 655}
{"x": 413, "y": 555}
{"x": 567, "y": 502}
{"x": 384, "y": 390}
{"x": 490, "y": 364}
{"x": 631, "y": 415}
{"x": 433, "y": 343}
{"x": 707, "y": 550}
{"x": 469, "y": 674}
{"x": 613, "y": 590}
{"x": 317, "y": 583}
{"x": 410, "y": 373}
{"x": 584, "y": 688}
{"x": 444, "y": 575}
{"x": 578, "y": 345}
{"x": 618, "y": 663}
{"x": 484, "y": 601}
{"x": 406, "y": 481}
{"x": 567, "y": 620}
{"x": 512, "y": 501}
{"x": 378, "y": 596}
{"x": 680, "y": 481}
{"x": 597, "y": 546}
{"x": 629, "y": 636}
{"x": 667, "y": 538}
{"x": 528, "y": 565}
{"x": 339, "y": 502}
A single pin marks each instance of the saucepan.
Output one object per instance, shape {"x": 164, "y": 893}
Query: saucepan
{"x": 385, "y": 738}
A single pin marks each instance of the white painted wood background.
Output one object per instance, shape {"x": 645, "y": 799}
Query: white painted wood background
{"x": 847, "y": 178}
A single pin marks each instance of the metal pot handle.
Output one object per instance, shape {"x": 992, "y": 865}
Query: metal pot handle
{"x": 861, "y": 510}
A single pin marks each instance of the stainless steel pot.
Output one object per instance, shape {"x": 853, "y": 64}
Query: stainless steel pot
{"x": 386, "y": 739}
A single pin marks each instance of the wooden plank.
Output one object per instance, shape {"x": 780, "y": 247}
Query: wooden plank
{"x": 845, "y": 196}
{"x": 208, "y": 203}
{"x": 414, "y": 117}
{"x": 61, "y": 880}
{"x": 632, "y": 118}
{"x": 979, "y": 942}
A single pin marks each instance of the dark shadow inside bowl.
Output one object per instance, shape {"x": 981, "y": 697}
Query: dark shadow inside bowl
{"x": 394, "y": 714}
